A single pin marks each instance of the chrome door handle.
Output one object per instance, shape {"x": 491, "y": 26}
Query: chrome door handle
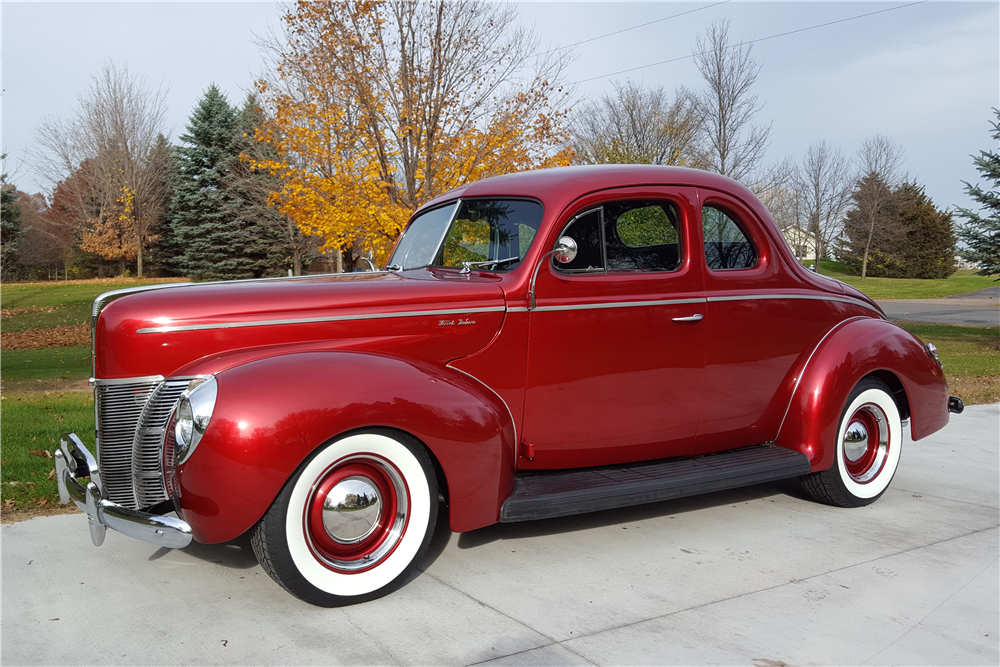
{"x": 697, "y": 317}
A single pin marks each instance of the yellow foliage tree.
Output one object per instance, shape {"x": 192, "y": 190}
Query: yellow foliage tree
{"x": 377, "y": 106}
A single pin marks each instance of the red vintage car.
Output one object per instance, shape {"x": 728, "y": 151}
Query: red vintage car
{"x": 539, "y": 345}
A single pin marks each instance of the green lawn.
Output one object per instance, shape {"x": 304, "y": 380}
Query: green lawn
{"x": 32, "y": 425}
{"x": 22, "y": 368}
{"x": 961, "y": 282}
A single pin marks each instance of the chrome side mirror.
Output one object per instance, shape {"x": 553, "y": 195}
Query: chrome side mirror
{"x": 565, "y": 250}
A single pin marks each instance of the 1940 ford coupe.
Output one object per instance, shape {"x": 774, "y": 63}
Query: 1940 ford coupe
{"x": 539, "y": 345}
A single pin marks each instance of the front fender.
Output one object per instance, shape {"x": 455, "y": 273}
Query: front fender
{"x": 852, "y": 350}
{"x": 271, "y": 414}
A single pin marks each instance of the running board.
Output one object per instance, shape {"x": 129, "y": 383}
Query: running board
{"x": 544, "y": 495}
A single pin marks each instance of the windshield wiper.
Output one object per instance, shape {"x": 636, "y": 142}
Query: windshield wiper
{"x": 467, "y": 266}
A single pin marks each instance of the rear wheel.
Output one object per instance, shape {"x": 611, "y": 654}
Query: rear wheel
{"x": 352, "y": 522}
{"x": 869, "y": 439}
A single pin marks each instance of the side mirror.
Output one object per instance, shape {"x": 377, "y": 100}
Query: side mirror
{"x": 565, "y": 250}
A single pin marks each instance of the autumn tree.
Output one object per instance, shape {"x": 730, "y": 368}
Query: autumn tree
{"x": 377, "y": 106}
{"x": 117, "y": 132}
{"x": 639, "y": 125}
{"x": 982, "y": 229}
{"x": 728, "y": 107}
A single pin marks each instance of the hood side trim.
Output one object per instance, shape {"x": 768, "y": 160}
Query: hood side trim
{"x": 315, "y": 320}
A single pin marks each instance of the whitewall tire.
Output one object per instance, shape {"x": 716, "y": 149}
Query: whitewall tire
{"x": 352, "y": 522}
{"x": 867, "y": 449}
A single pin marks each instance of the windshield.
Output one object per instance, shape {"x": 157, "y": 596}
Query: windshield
{"x": 494, "y": 234}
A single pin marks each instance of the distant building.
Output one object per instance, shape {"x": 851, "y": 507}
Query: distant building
{"x": 801, "y": 241}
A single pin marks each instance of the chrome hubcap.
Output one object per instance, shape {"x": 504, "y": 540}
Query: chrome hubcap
{"x": 351, "y": 510}
{"x": 865, "y": 443}
{"x": 855, "y": 441}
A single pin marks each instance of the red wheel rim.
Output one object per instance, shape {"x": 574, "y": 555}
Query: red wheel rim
{"x": 334, "y": 532}
{"x": 865, "y": 443}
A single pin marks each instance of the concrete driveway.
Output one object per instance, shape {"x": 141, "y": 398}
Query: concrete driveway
{"x": 980, "y": 308}
{"x": 759, "y": 576}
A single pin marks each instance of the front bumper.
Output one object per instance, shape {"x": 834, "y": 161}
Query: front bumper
{"x": 73, "y": 458}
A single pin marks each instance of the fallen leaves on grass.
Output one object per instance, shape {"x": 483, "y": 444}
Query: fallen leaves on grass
{"x": 44, "y": 453}
{"x": 11, "y": 312}
{"x": 975, "y": 389}
{"x": 61, "y": 336}
{"x": 52, "y": 474}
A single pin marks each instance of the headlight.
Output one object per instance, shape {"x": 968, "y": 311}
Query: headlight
{"x": 194, "y": 411}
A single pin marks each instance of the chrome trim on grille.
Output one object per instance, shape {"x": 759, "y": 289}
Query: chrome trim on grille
{"x": 131, "y": 416}
{"x": 315, "y": 320}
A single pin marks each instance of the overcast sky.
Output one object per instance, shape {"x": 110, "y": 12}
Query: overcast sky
{"x": 927, "y": 74}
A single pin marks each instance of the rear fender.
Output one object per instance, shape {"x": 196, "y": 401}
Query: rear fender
{"x": 272, "y": 413}
{"x": 851, "y": 351}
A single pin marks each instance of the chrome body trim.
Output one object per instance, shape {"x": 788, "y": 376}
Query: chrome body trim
{"x": 513, "y": 424}
{"x": 315, "y": 320}
{"x": 622, "y": 304}
{"x": 805, "y": 367}
{"x": 807, "y": 297}
{"x": 163, "y": 531}
{"x": 518, "y": 309}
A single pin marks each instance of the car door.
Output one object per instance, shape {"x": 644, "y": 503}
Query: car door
{"x": 616, "y": 340}
{"x": 757, "y": 325}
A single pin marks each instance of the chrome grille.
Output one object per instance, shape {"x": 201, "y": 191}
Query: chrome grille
{"x": 131, "y": 418}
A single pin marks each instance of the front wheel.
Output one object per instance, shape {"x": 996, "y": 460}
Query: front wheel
{"x": 869, "y": 438}
{"x": 352, "y": 522}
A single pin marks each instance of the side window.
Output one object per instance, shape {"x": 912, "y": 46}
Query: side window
{"x": 586, "y": 231}
{"x": 726, "y": 246}
{"x": 642, "y": 236}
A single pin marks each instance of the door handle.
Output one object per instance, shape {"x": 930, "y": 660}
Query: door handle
{"x": 697, "y": 317}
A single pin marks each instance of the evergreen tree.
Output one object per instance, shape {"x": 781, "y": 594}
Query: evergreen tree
{"x": 908, "y": 238}
{"x": 10, "y": 227}
{"x": 258, "y": 229}
{"x": 197, "y": 217}
{"x": 982, "y": 230}
{"x": 219, "y": 226}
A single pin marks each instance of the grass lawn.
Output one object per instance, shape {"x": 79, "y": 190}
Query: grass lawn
{"x": 960, "y": 282}
{"x": 970, "y": 356}
{"x": 32, "y": 425}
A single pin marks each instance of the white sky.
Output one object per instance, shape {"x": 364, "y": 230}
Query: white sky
{"x": 926, "y": 75}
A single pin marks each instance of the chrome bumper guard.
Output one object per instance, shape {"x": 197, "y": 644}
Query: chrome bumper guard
{"x": 102, "y": 514}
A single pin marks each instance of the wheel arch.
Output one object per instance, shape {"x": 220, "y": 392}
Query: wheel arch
{"x": 851, "y": 351}
{"x": 272, "y": 414}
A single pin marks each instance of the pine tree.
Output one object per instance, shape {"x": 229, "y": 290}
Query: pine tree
{"x": 10, "y": 227}
{"x": 260, "y": 231}
{"x": 197, "y": 218}
{"x": 982, "y": 230}
{"x": 927, "y": 247}
{"x": 219, "y": 226}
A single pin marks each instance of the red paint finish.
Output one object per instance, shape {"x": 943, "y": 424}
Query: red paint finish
{"x": 272, "y": 414}
{"x": 272, "y": 308}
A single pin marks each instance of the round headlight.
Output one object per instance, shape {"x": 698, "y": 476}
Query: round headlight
{"x": 194, "y": 411}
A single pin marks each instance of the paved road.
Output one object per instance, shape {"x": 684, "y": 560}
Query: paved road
{"x": 980, "y": 308}
{"x": 757, "y": 576}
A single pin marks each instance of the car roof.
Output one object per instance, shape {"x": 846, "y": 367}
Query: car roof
{"x": 563, "y": 184}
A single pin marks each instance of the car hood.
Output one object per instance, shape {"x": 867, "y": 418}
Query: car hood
{"x": 201, "y": 329}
